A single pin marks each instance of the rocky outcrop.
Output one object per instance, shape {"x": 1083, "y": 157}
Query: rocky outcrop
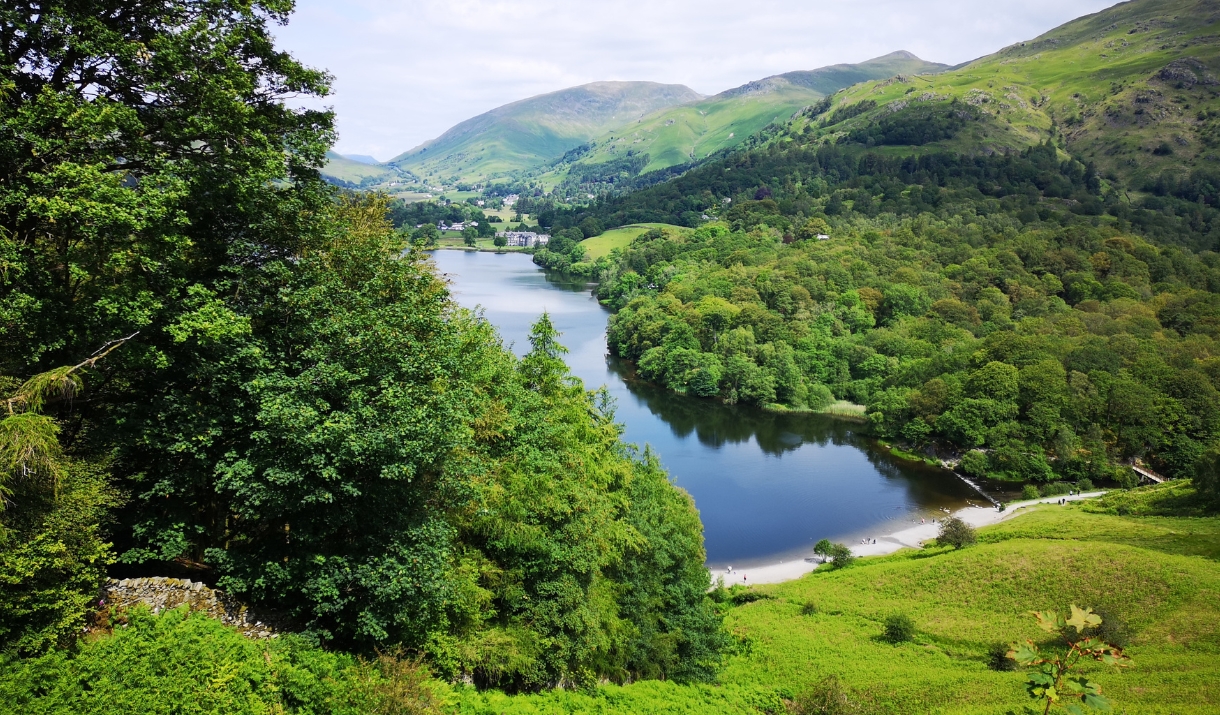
{"x": 160, "y": 594}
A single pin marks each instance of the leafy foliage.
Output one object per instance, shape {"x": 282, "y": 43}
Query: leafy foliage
{"x": 1051, "y": 683}
{"x": 160, "y": 664}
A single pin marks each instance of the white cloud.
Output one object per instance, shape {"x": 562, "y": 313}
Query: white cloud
{"x": 407, "y": 71}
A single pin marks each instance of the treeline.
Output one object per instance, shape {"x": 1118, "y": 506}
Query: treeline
{"x": 1035, "y": 186}
{"x": 215, "y": 364}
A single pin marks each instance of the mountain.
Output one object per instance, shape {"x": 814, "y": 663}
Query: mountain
{"x": 1132, "y": 89}
{"x": 362, "y": 158}
{"x": 690, "y": 132}
{"x": 532, "y": 132}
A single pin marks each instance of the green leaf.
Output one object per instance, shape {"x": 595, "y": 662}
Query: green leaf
{"x": 1083, "y": 618}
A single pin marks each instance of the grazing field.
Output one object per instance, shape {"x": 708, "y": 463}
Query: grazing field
{"x": 621, "y": 237}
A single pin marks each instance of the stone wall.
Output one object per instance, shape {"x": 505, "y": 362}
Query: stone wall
{"x": 160, "y": 593}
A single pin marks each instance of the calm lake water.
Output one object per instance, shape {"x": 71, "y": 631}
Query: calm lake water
{"x": 767, "y": 486}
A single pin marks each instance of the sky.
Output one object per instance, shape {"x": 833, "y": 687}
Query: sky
{"x": 406, "y": 71}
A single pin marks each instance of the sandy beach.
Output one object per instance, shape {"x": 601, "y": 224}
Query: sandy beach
{"x": 911, "y": 537}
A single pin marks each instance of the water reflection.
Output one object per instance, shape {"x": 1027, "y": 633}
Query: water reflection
{"x": 767, "y": 485}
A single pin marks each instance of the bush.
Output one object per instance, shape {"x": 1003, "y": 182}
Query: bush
{"x": 1112, "y": 629}
{"x": 827, "y": 697}
{"x": 899, "y": 628}
{"x": 745, "y": 595}
{"x": 997, "y": 658}
{"x": 1085, "y": 485}
{"x": 1056, "y": 489}
{"x": 1030, "y": 492}
{"x": 956, "y": 533}
{"x": 809, "y": 608}
{"x": 185, "y": 661}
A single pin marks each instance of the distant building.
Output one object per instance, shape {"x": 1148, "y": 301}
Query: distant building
{"x": 511, "y": 199}
{"x": 823, "y": 237}
{"x": 525, "y": 239}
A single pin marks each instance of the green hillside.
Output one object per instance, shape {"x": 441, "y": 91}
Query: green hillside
{"x": 534, "y": 131}
{"x": 691, "y": 132}
{"x": 1132, "y": 89}
{"x": 355, "y": 174}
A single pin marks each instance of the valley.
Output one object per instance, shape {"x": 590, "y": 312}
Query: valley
{"x": 881, "y": 388}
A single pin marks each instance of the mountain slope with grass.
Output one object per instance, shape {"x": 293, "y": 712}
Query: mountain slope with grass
{"x": 535, "y": 131}
{"x": 1132, "y": 89}
{"x": 352, "y": 174}
{"x": 691, "y": 132}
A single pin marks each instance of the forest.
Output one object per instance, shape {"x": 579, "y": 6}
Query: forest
{"x": 219, "y": 367}
{"x": 1007, "y": 310}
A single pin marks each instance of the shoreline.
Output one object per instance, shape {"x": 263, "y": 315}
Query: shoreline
{"x": 910, "y": 538}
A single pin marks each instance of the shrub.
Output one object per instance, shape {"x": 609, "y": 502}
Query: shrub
{"x": 956, "y": 533}
{"x": 1030, "y": 492}
{"x": 827, "y": 697}
{"x": 1112, "y": 629}
{"x": 1085, "y": 485}
{"x": 997, "y": 658}
{"x": 899, "y": 628}
{"x": 809, "y": 608}
{"x": 1056, "y": 489}
{"x": 745, "y": 595}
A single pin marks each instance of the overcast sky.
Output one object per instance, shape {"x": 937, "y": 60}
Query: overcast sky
{"x": 407, "y": 70}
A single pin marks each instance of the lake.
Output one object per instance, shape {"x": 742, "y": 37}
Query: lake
{"x": 767, "y": 485}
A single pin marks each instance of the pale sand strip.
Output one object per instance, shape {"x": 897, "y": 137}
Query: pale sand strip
{"x": 912, "y": 537}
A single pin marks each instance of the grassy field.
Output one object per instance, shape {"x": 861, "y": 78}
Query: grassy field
{"x": 621, "y": 237}
{"x": 1157, "y": 574}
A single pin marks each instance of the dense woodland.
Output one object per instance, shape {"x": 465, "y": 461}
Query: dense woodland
{"x": 1011, "y": 309}
{"x": 217, "y": 366}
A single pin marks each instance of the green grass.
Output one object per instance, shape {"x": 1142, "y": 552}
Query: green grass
{"x": 620, "y": 238}
{"x": 1159, "y": 574}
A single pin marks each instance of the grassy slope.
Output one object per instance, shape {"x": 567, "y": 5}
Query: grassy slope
{"x": 344, "y": 169}
{"x": 534, "y": 131}
{"x": 693, "y": 131}
{"x": 1159, "y": 573}
{"x": 1096, "y": 82}
{"x": 621, "y": 237}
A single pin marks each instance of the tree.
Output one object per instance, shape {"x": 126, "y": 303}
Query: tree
{"x": 956, "y": 533}
{"x": 840, "y": 556}
{"x": 470, "y": 235}
{"x": 52, "y": 553}
{"x": 813, "y": 228}
{"x": 500, "y": 241}
{"x": 1052, "y": 683}
{"x": 426, "y": 235}
{"x": 823, "y": 548}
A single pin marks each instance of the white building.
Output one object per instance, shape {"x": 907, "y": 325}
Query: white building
{"x": 525, "y": 239}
